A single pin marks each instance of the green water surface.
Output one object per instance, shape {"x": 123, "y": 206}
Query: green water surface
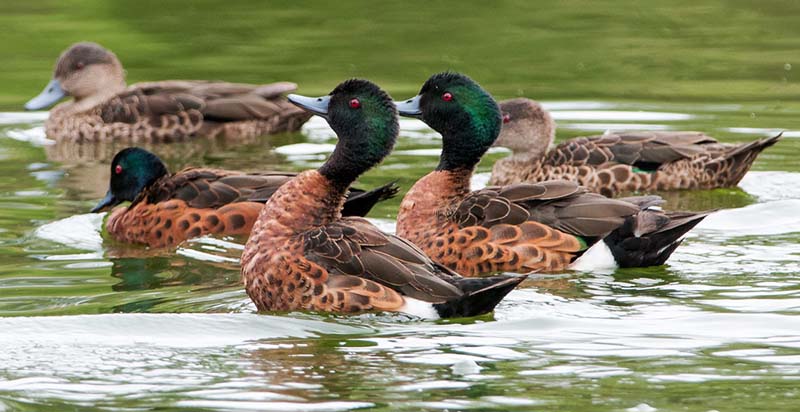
{"x": 89, "y": 324}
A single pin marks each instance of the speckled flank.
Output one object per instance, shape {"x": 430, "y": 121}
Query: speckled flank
{"x": 704, "y": 166}
{"x": 126, "y": 119}
{"x": 426, "y": 217}
{"x": 277, "y": 273}
{"x": 170, "y": 223}
{"x": 90, "y": 127}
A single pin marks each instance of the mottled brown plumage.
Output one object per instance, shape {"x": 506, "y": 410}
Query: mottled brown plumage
{"x": 198, "y": 201}
{"x": 302, "y": 254}
{"x": 319, "y": 260}
{"x": 617, "y": 162}
{"x": 519, "y": 228}
{"x": 194, "y": 202}
{"x": 105, "y": 109}
{"x": 514, "y": 228}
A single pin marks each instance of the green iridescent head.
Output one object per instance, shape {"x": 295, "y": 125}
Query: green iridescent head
{"x": 132, "y": 170}
{"x": 365, "y": 121}
{"x": 462, "y": 111}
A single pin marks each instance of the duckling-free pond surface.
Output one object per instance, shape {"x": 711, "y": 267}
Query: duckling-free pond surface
{"x": 90, "y": 324}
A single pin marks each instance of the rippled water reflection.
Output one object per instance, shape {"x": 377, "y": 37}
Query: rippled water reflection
{"x": 92, "y": 324}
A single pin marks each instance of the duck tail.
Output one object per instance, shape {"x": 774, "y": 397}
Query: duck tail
{"x": 740, "y": 158}
{"x": 649, "y": 237}
{"x": 360, "y": 202}
{"x": 481, "y": 295}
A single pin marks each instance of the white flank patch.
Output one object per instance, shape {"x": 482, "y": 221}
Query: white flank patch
{"x": 597, "y": 257}
{"x": 419, "y": 309}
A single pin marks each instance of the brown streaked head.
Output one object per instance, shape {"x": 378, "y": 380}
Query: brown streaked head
{"x": 527, "y": 127}
{"x": 83, "y": 70}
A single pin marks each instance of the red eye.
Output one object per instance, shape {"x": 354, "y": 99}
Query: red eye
{"x": 447, "y": 96}
{"x": 506, "y": 118}
{"x": 355, "y": 104}
{"x": 79, "y": 65}
{"x": 118, "y": 169}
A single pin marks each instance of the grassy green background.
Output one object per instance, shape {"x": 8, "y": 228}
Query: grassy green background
{"x": 690, "y": 50}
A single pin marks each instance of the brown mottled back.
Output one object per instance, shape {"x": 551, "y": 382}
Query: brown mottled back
{"x": 104, "y": 109}
{"x": 303, "y": 255}
{"x": 518, "y": 228}
{"x": 194, "y": 202}
{"x": 148, "y": 112}
{"x": 617, "y": 162}
{"x": 637, "y": 162}
{"x": 199, "y": 201}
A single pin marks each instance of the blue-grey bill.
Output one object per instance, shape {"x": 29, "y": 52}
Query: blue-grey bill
{"x": 316, "y": 105}
{"x": 51, "y": 94}
{"x": 409, "y": 108}
{"x": 107, "y": 202}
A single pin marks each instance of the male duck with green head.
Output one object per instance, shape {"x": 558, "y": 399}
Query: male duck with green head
{"x": 304, "y": 255}
{"x": 519, "y": 228}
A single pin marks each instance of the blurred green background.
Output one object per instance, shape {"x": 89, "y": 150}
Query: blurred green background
{"x": 715, "y": 329}
{"x": 729, "y": 50}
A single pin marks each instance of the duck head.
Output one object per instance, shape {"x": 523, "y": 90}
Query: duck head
{"x": 465, "y": 114}
{"x": 365, "y": 121}
{"x": 527, "y": 127}
{"x": 82, "y": 71}
{"x": 132, "y": 171}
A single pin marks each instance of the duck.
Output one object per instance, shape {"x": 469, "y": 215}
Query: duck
{"x": 617, "y": 162}
{"x": 525, "y": 227}
{"x": 104, "y": 108}
{"x": 302, "y": 253}
{"x": 168, "y": 208}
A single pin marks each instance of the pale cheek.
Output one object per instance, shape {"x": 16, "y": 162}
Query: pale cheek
{"x": 86, "y": 82}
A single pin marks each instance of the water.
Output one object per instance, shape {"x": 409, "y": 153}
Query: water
{"x": 90, "y": 324}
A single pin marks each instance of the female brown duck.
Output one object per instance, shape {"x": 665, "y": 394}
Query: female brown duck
{"x": 617, "y": 162}
{"x": 103, "y": 108}
{"x": 517, "y": 228}
{"x": 167, "y": 209}
{"x": 302, "y": 254}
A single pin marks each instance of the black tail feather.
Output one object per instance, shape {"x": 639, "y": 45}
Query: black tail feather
{"x": 632, "y": 247}
{"x": 359, "y": 202}
{"x": 480, "y": 297}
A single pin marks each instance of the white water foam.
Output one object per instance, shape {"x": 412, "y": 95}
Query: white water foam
{"x": 760, "y": 219}
{"x": 78, "y": 231}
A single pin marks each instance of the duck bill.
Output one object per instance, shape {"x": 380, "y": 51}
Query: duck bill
{"x": 410, "y": 107}
{"x": 108, "y": 202}
{"x": 316, "y": 105}
{"x": 51, "y": 94}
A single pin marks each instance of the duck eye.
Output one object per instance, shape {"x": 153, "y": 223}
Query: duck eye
{"x": 79, "y": 65}
{"x": 355, "y": 104}
{"x": 118, "y": 169}
{"x": 506, "y": 118}
{"x": 447, "y": 96}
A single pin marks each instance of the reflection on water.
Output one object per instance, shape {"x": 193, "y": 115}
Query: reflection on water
{"x": 87, "y": 323}
{"x": 130, "y": 327}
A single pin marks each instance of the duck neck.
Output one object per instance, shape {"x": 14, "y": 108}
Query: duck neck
{"x": 526, "y": 156}
{"x": 107, "y": 81}
{"x": 427, "y": 204}
{"x": 458, "y": 156}
{"x": 308, "y": 201}
{"x": 343, "y": 167}
{"x": 358, "y": 150}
